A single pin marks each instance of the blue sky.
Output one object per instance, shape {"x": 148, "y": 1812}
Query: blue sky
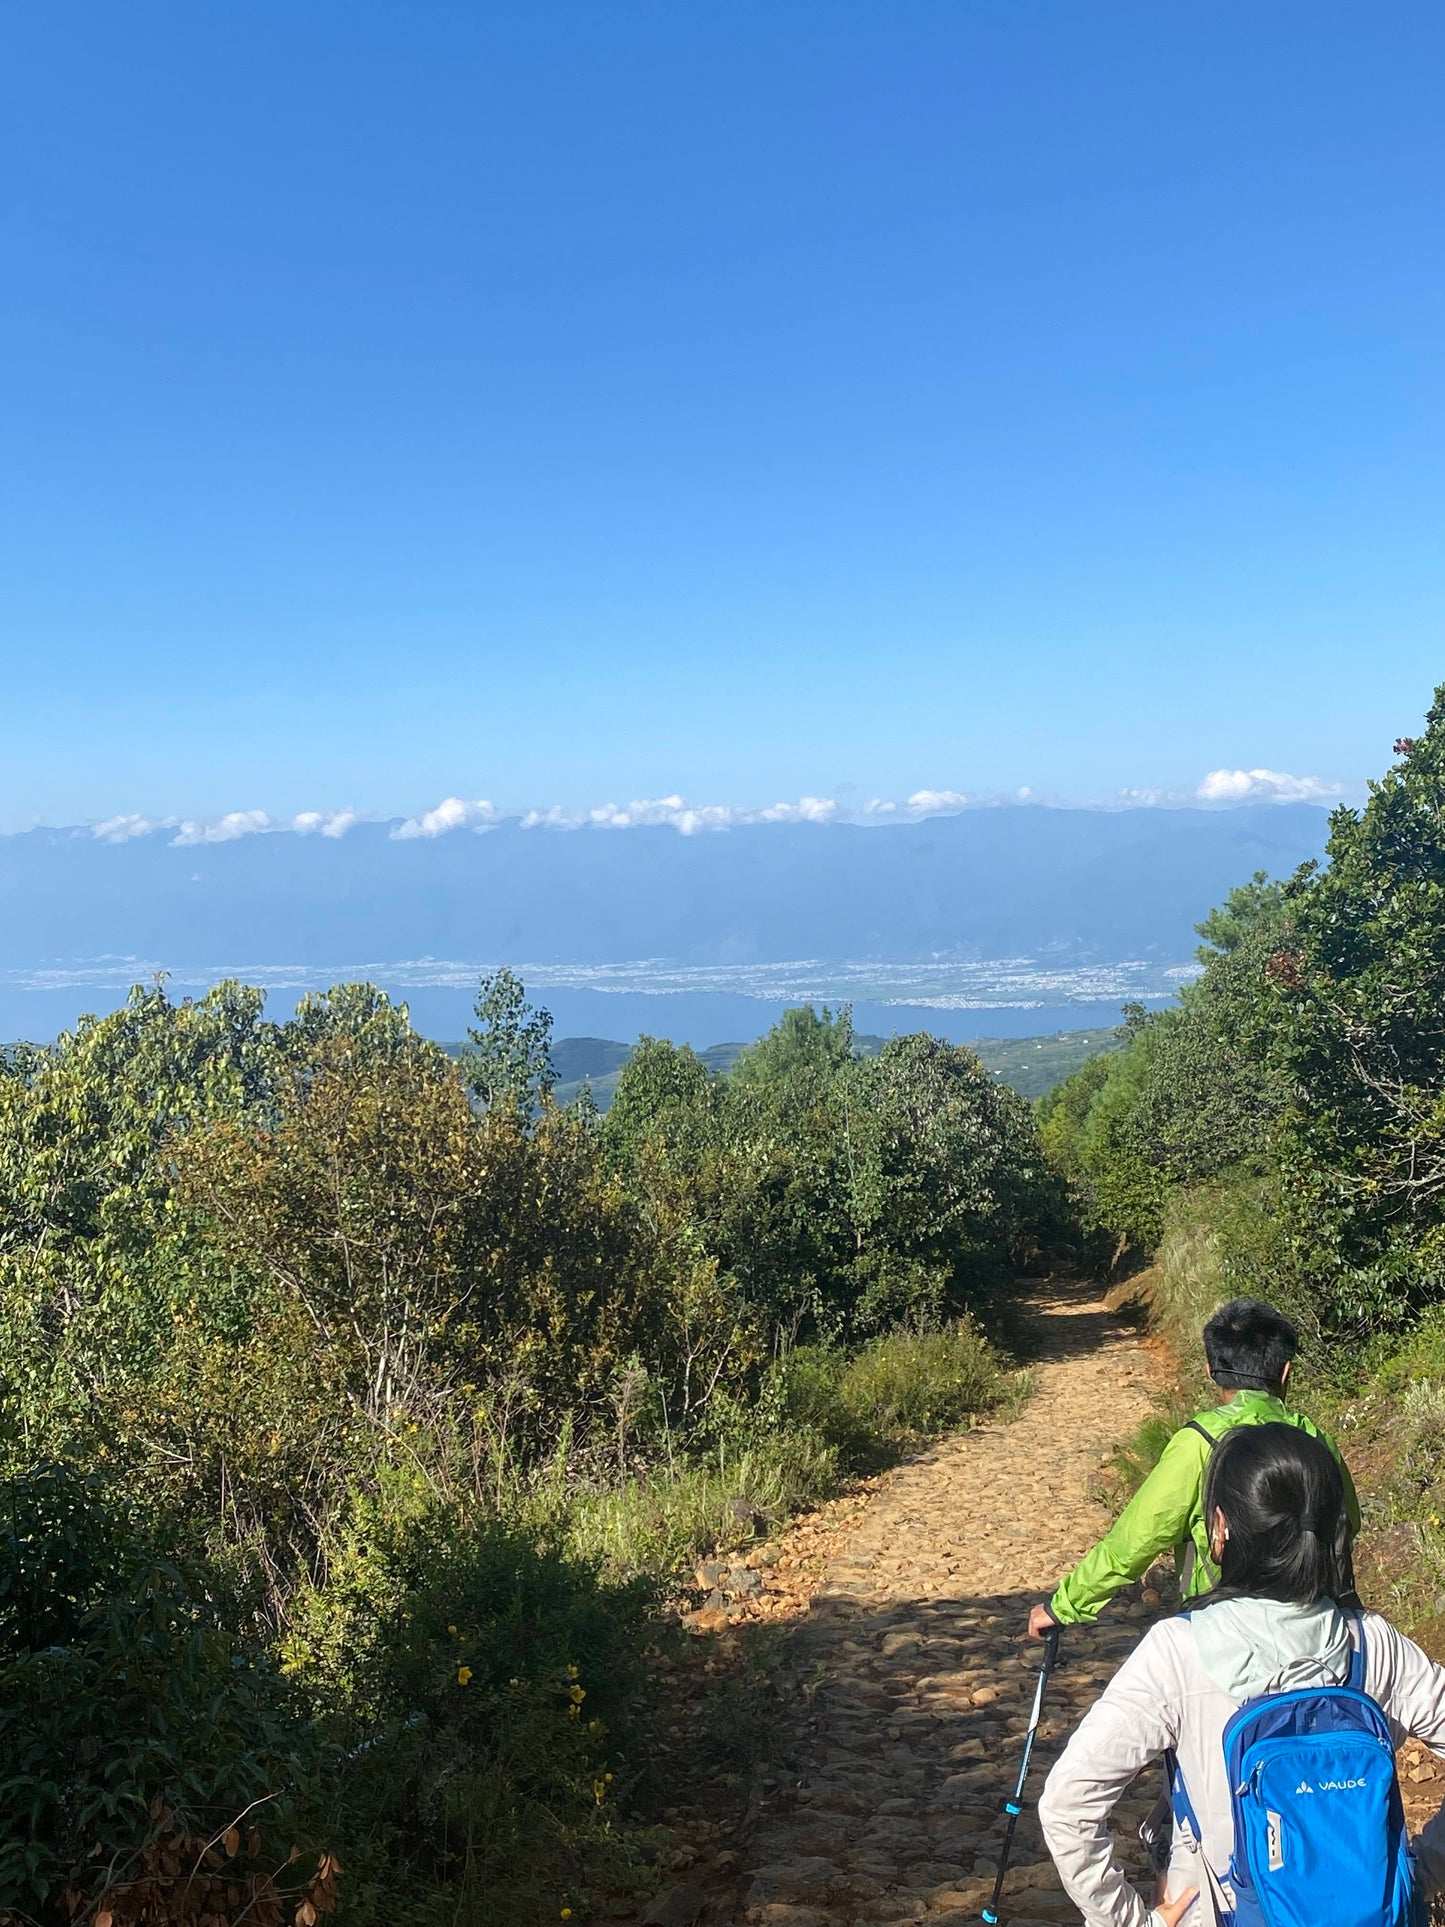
{"x": 575, "y": 402}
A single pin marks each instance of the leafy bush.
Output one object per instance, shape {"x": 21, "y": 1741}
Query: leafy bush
{"x": 1309, "y": 1056}
{"x": 1357, "y": 991}
{"x": 837, "y": 1194}
{"x": 821, "y": 1413}
{"x": 662, "y": 1520}
{"x": 916, "y": 1382}
{"x": 482, "y": 1688}
{"x": 137, "y": 1725}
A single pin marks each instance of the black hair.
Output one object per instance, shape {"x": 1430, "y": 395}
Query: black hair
{"x": 1247, "y": 1345}
{"x": 1283, "y": 1500}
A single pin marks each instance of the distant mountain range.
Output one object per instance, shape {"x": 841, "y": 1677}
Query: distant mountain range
{"x": 1067, "y": 887}
{"x": 1032, "y": 1065}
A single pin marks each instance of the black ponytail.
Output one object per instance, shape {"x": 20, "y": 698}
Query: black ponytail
{"x": 1283, "y": 1499}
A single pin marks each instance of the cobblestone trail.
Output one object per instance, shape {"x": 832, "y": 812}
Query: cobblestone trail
{"x": 917, "y": 1681}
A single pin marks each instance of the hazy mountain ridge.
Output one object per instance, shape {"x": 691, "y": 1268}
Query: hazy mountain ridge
{"x": 1071, "y": 886}
{"x": 1032, "y": 1065}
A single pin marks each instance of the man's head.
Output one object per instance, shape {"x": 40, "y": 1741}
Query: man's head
{"x": 1249, "y": 1347}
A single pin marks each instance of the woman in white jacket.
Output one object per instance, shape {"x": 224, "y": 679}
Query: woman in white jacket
{"x": 1275, "y": 1506}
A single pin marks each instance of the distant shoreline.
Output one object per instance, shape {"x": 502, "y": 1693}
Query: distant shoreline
{"x": 39, "y": 1009}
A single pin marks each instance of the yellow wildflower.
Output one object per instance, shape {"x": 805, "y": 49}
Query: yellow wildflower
{"x": 577, "y": 1694}
{"x": 464, "y": 1674}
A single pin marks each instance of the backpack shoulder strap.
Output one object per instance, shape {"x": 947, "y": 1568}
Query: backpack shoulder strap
{"x": 1188, "y": 1823}
{"x": 1359, "y": 1657}
{"x": 1193, "y": 1425}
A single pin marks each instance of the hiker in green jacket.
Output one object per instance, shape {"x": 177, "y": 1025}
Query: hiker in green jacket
{"x": 1249, "y": 1348}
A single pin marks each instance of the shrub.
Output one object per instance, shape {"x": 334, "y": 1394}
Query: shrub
{"x": 915, "y": 1382}
{"x": 155, "y": 1759}
{"x": 663, "y": 1520}
{"x": 481, "y": 1686}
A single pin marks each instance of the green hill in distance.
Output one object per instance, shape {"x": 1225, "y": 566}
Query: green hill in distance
{"x": 1032, "y": 1065}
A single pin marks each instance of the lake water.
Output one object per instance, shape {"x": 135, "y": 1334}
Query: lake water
{"x": 687, "y": 1016}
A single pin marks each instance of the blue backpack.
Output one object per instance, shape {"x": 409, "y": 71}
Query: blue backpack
{"x": 1319, "y": 1825}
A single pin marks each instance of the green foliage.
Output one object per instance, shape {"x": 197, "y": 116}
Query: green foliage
{"x": 1089, "y": 1127}
{"x": 912, "y": 1382}
{"x": 1211, "y": 1099}
{"x": 129, "y": 1708}
{"x": 662, "y": 1519}
{"x": 510, "y": 1063}
{"x": 820, "y": 1413}
{"x": 1310, "y": 1056}
{"x": 1032, "y": 1066}
{"x": 836, "y": 1195}
{"x": 482, "y": 1688}
{"x": 1191, "y": 1095}
{"x": 802, "y": 1055}
{"x": 1360, "y": 991}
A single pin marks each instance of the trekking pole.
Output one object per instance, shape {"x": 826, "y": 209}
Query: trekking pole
{"x": 1014, "y": 1807}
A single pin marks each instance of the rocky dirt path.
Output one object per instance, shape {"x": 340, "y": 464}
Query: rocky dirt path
{"x": 909, "y": 1680}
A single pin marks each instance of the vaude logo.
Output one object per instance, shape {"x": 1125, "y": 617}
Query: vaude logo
{"x": 1329, "y": 1786}
{"x": 1304, "y": 1787}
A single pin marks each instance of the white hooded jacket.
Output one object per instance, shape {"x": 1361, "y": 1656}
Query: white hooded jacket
{"x": 1178, "y": 1689}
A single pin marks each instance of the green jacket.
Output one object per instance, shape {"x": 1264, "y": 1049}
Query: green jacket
{"x": 1167, "y": 1513}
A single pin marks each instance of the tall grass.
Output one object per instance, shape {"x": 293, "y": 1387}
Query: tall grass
{"x": 821, "y": 1416}
{"x": 660, "y": 1521}
{"x": 918, "y": 1382}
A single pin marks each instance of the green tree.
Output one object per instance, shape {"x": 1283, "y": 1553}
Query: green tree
{"x": 836, "y": 1194}
{"x": 95, "y": 1267}
{"x": 1210, "y": 1100}
{"x": 510, "y": 1062}
{"x": 947, "y": 1184}
{"x": 1359, "y": 985}
{"x": 803, "y": 1052}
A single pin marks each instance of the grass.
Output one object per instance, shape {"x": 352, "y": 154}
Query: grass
{"x": 823, "y": 1416}
{"x": 663, "y": 1520}
{"x": 912, "y": 1383}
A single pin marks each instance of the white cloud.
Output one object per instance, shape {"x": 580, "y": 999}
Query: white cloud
{"x": 1220, "y": 788}
{"x": 675, "y": 812}
{"x": 923, "y": 803}
{"x": 1264, "y": 786}
{"x": 324, "y": 822}
{"x": 552, "y": 818}
{"x": 225, "y": 829}
{"x": 669, "y": 812}
{"x": 807, "y": 809}
{"x": 451, "y": 814}
{"x": 120, "y": 829}
{"x": 936, "y": 802}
